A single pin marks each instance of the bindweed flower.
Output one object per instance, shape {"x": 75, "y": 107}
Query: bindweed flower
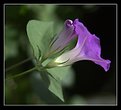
{"x": 87, "y": 46}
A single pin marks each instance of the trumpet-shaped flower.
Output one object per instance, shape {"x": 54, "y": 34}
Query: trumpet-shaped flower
{"x": 87, "y": 47}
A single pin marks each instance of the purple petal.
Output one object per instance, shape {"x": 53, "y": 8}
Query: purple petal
{"x": 92, "y": 51}
{"x": 90, "y": 48}
{"x": 64, "y": 37}
{"x": 81, "y": 31}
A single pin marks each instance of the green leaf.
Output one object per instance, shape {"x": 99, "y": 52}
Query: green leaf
{"x": 56, "y": 76}
{"x": 52, "y": 84}
{"x": 56, "y": 88}
{"x": 41, "y": 82}
{"x": 56, "y": 83}
{"x": 39, "y": 33}
{"x": 60, "y": 72}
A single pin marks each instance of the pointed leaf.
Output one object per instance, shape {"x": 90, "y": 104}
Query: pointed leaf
{"x": 40, "y": 86}
{"x": 39, "y": 34}
{"x": 56, "y": 88}
{"x": 52, "y": 84}
{"x": 56, "y": 83}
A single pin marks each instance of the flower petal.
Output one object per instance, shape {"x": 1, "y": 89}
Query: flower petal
{"x": 81, "y": 31}
{"x": 92, "y": 51}
{"x": 64, "y": 37}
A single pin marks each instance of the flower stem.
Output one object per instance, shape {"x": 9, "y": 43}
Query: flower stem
{"x": 20, "y": 74}
{"x": 18, "y": 64}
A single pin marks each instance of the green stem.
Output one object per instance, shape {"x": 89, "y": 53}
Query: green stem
{"x": 20, "y": 74}
{"x": 13, "y": 66}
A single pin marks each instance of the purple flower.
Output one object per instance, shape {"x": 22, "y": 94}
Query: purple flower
{"x": 87, "y": 47}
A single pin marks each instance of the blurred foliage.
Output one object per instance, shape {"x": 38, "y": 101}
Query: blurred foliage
{"x": 77, "y": 87}
{"x": 11, "y": 42}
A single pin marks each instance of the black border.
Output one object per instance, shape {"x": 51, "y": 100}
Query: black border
{"x": 2, "y": 46}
